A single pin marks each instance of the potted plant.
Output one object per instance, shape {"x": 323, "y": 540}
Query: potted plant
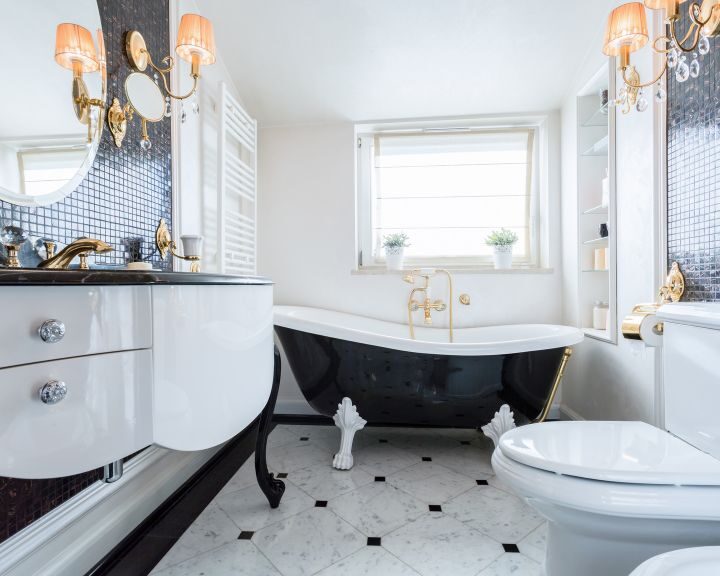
{"x": 395, "y": 245}
{"x": 502, "y": 241}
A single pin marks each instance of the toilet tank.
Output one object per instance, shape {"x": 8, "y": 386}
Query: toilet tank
{"x": 691, "y": 372}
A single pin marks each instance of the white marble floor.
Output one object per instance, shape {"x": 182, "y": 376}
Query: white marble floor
{"x": 419, "y": 502}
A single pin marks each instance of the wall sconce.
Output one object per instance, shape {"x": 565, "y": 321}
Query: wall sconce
{"x": 192, "y": 246}
{"x": 75, "y": 50}
{"x": 627, "y": 32}
{"x": 195, "y": 44}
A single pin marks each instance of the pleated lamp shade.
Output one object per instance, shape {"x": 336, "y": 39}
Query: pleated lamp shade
{"x": 196, "y": 37}
{"x": 75, "y": 49}
{"x": 626, "y": 26}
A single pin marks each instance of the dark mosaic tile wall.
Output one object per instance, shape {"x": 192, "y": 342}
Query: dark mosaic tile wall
{"x": 124, "y": 194}
{"x": 693, "y": 134}
{"x": 127, "y": 190}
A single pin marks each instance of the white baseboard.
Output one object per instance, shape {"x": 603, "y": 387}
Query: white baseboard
{"x": 569, "y": 413}
{"x": 294, "y": 407}
{"x": 73, "y": 537}
{"x": 554, "y": 413}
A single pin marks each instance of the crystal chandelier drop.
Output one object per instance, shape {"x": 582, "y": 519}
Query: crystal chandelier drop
{"x": 627, "y": 32}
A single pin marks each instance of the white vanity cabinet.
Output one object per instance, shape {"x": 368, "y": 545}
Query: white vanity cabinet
{"x": 213, "y": 364}
{"x": 91, "y": 374}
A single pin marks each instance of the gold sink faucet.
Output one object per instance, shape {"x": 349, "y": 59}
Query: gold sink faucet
{"x": 427, "y": 304}
{"x": 81, "y": 248}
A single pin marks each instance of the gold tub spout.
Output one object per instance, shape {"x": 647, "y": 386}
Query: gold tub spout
{"x": 80, "y": 247}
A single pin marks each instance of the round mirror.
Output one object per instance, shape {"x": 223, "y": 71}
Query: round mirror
{"x": 145, "y": 96}
{"x": 45, "y": 150}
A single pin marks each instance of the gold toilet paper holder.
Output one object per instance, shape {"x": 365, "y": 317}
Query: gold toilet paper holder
{"x": 672, "y": 291}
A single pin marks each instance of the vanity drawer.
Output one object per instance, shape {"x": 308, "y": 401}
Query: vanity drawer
{"x": 105, "y": 415}
{"x": 96, "y": 319}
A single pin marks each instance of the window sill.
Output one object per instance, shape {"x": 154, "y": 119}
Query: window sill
{"x": 380, "y": 270}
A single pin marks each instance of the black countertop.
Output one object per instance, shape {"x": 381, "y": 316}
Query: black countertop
{"x": 42, "y": 277}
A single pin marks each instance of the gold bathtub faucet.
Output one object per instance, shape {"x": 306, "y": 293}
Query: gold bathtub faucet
{"x": 427, "y": 304}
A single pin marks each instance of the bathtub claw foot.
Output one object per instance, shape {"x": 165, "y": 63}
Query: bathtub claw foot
{"x": 348, "y": 420}
{"x": 502, "y": 422}
{"x": 342, "y": 461}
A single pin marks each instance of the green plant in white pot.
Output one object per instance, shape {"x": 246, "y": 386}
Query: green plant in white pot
{"x": 394, "y": 245}
{"x": 502, "y": 242}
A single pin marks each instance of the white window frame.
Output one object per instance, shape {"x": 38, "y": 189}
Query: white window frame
{"x": 538, "y": 236}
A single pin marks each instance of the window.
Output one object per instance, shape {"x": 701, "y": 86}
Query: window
{"x": 447, "y": 190}
{"x": 45, "y": 170}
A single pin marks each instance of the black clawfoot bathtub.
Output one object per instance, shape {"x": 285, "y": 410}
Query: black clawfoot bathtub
{"x": 428, "y": 381}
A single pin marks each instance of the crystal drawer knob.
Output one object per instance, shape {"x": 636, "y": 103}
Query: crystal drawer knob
{"x": 53, "y": 392}
{"x": 52, "y": 331}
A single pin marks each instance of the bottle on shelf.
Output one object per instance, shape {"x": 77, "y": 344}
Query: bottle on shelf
{"x": 600, "y": 315}
{"x": 600, "y": 259}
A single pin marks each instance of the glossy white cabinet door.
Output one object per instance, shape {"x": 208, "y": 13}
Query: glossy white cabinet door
{"x": 692, "y": 385}
{"x": 104, "y": 416}
{"x": 97, "y": 319}
{"x": 213, "y": 362}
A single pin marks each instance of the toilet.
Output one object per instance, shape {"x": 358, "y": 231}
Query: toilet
{"x": 618, "y": 493}
{"x": 703, "y": 561}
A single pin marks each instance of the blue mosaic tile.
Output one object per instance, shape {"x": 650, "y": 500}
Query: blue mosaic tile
{"x": 693, "y": 156}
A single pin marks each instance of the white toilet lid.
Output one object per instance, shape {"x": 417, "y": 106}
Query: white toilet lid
{"x": 628, "y": 452}
{"x": 703, "y": 561}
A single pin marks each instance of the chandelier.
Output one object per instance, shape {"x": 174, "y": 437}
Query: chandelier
{"x": 627, "y": 32}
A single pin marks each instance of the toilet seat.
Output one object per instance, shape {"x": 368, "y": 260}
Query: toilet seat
{"x": 609, "y": 508}
{"x": 701, "y": 561}
{"x": 542, "y": 487}
{"x": 621, "y": 452}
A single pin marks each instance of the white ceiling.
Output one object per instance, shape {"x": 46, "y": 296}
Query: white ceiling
{"x": 300, "y": 61}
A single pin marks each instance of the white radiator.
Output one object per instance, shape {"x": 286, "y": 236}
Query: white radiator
{"x": 237, "y": 188}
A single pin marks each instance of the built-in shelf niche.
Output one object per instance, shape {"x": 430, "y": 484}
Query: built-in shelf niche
{"x": 596, "y": 161}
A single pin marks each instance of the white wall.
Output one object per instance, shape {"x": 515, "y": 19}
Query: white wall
{"x": 306, "y": 216}
{"x": 607, "y": 381}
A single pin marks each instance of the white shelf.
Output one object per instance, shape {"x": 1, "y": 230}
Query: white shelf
{"x": 599, "y": 117}
{"x": 597, "y": 241}
{"x": 595, "y": 154}
{"x": 597, "y": 210}
{"x": 600, "y": 148}
{"x": 597, "y": 334}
